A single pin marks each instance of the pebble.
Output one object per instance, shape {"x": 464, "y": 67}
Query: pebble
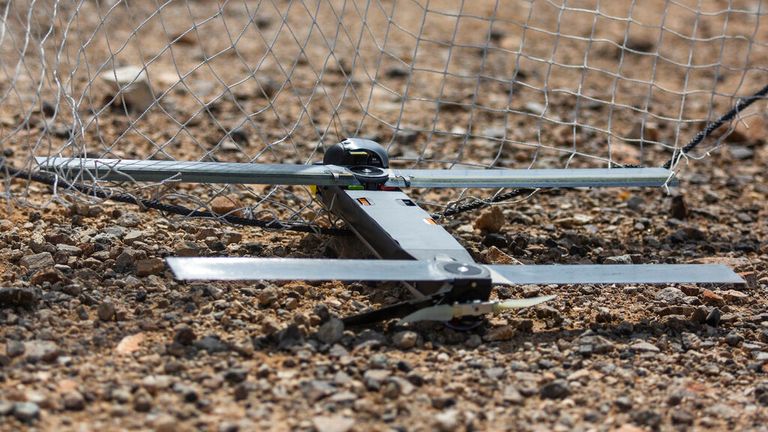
{"x": 25, "y": 297}
{"x": 184, "y": 335}
{"x": 643, "y": 346}
{"x": 556, "y": 389}
{"x": 26, "y": 412}
{"x": 151, "y": 266}
{"x": 38, "y": 261}
{"x": 447, "y": 420}
{"x": 713, "y": 318}
{"x": 331, "y": 331}
{"x": 405, "y": 339}
{"x": 106, "y": 311}
{"x": 131, "y": 88}
{"x": 41, "y": 350}
{"x": 236, "y": 375}
{"x": 333, "y": 423}
{"x": 73, "y": 401}
{"x": 14, "y": 348}
{"x": 491, "y": 220}
{"x": 670, "y": 295}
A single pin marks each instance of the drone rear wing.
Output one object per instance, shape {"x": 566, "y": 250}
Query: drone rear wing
{"x": 245, "y": 269}
{"x": 332, "y": 175}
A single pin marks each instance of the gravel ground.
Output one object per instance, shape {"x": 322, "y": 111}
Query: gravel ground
{"x": 97, "y": 334}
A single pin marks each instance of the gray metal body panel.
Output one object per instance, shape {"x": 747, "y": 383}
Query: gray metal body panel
{"x": 410, "y": 227}
{"x": 414, "y": 271}
{"x": 330, "y": 175}
{"x": 614, "y": 274}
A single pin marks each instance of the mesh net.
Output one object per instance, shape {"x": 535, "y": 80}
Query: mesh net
{"x": 520, "y": 84}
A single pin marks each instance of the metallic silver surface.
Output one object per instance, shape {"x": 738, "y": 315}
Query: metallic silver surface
{"x": 331, "y": 175}
{"x": 532, "y": 178}
{"x": 613, "y": 274}
{"x": 199, "y": 172}
{"x": 304, "y": 269}
{"x": 414, "y": 270}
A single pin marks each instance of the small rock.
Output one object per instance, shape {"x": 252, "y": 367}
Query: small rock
{"x": 502, "y": 333}
{"x": 25, "y": 297}
{"x": 225, "y": 205}
{"x": 623, "y": 403}
{"x": 619, "y": 259}
{"x": 289, "y": 337}
{"x": 643, "y": 346}
{"x": 710, "y": 297}
{"x": 491, "y": 220}
{"x": 41, "y": 350}
{"x": 375, "y": 377}
{"x": 184, "y": 335}
{"x": 14, "y": 348}
{"x": 733, "y": 339}
{"x": 74, "y": 401}
{"x": 331, "y": 331}
{"x": 734, "y": 296}
{"x": 556, "y": 389}
{"x": 648, "y": 418}
{"x": 129, "y": 220}
{"x": 236, "y": 375}
{"x": 447, "y": 421}
{"x": 130, "y": 87}
{"x": 106, "y": 311}
{"x": 129, "y": 344}
{"x": 713, "y": 318}
{"x": 267, "y": 297}
{"x": 741, "y": 152}
{"x": 405, "y": 339}
{"x": 212, "y": 344}
{"x": 26, "y": 412}
{"x": 165, "y": 423}
{"x": 678, "y": 209}
{"x": 670, "y": 295}
{"x": 37, "y": 261}
{"x": 332, "y": 423}
{"x": 512, "y": 395}
{"x": 682, "y": 417}
{"x": 151, "y": 266}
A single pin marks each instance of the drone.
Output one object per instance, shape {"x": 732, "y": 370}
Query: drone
{"x": 356, "y": 183}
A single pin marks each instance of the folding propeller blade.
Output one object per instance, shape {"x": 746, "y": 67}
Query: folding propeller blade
{"x": 613, "y": 274}
{"x": 459, "y": 310}
{"x": 331, "y": 175}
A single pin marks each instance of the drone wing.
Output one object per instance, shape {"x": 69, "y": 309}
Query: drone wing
{"x": 613, "y": 274}
{"x": 199, "y": 268}
{"x": 416, "y": 271}
{"x": 532, "y": 178}
{"x": 331, "y": 175}
{"x": 198, "y": 172}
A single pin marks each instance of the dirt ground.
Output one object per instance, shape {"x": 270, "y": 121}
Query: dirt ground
{"x": 95, "y": 333}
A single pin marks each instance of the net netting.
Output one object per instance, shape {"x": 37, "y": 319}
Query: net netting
{"x": 538, "y": 83}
